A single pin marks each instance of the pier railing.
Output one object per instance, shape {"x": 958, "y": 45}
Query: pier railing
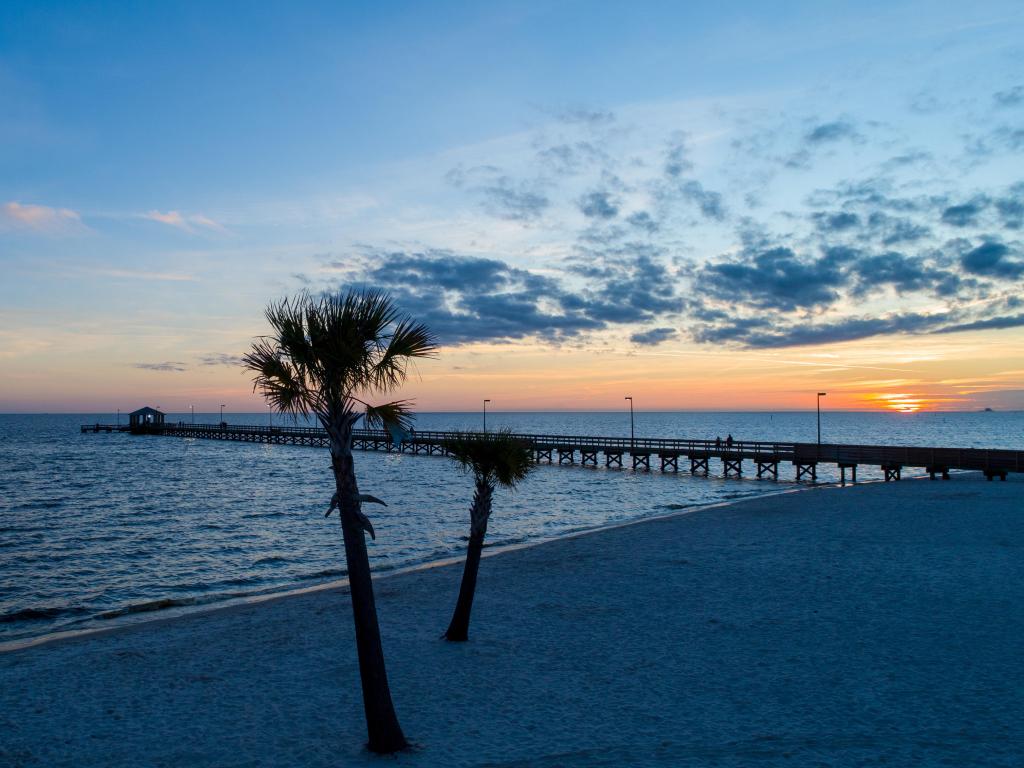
{"x": 767, "y": 454}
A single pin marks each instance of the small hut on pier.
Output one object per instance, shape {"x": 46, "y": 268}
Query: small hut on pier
{"x": 145, "y": 418}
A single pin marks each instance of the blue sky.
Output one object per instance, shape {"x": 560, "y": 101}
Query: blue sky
{"x": 713, "y": 181}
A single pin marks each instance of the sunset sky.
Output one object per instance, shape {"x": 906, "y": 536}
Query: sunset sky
{"x": 702, "y": 205}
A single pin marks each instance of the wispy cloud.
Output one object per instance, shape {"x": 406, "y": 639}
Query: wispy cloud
{"x": 165, "y": 366}
{"x": 134, "y": 274}
{"x": 220, "y": 358}
{"x": 39, "y": 218}
{"x": 185, "y": 222}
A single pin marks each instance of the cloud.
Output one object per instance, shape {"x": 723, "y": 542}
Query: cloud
{"x": 39, "y": 218}
{"x": 654, "y": 336}
{"x": 466, "y": 299}
{"x": 166, "y": 366}
{"x": 836, "y": 130}
{"x": 709, "y": 202}
{"x": 221, "y": 358}
{"x": 892, "y": 230}
{"x": 836, "y": 222}
{"x": 135, "y": 274}
{"x": 184, "y": 222}
{"x": 589, "y": 117}
{"x": 567, "y": 159}
{"x": 991, "y": 323}
{"x": 626, "y": 283}
{"x": 644, "y": 221}
{"x": 965, "y": 214}
{"x": 505, "y": 199}
{"x": 1009, "y": 137}
{"x": 599, "y": 205}
{"x": 911, "y": 157}
{"x": 1011, "y": 97}
{"x": 776, "y": 278}
{"x": 1011, "y": 207}
{"x": 751, "y": 334}
{"x": 904, "y": 273}
{"x": 992, "y": 259}
{"x": 677, "y": 160}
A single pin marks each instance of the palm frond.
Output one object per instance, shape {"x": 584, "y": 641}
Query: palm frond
{"x": 324, "y": 349}
{"x": 409, "y": 340}
{"x": 497, "y": 456}
{"x": 396, "y": 414}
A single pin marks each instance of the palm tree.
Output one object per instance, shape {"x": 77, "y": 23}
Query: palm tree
{"x": 323, "y": 356}
{"x": 494, "y": 459}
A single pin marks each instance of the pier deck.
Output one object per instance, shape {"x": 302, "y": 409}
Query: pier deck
{"x": 562, "y": 449}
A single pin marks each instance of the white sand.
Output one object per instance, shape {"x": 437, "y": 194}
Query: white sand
{"x": 881, "y": 624}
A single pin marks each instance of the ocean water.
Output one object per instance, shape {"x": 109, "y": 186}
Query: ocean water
{"x": 97, "y": 529}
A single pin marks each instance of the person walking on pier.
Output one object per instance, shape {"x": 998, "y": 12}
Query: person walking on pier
{"x": 718, "y": 442}
{"x": 728, "y": 441}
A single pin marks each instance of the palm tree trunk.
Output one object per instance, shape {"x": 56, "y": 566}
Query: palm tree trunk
{"x": 458, "y": 629}
{"x": 385, "y": 734}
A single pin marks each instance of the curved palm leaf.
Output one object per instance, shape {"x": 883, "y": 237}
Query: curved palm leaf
{"x": 497, "y": 457}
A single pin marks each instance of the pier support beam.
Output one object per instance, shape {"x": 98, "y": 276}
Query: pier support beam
{"x": 613, "y": 459}
{"x": 669, "y": 462}
{"x": 892, "y": 471}
{"x": 993, "y": 473}
{"x": 806, "y": 470}
{"x": 699, "y": 464}
{"x": 732, "y": 466}
{"x": 770, "y": 467}
{"x": 544, "y": 454}
{"x": 843, "y": 466}
{"x": 642, "y": 461}
{"x": 566, "y": 455}
{"x": 937, "y": 470}
{"x": 588, "y": 456}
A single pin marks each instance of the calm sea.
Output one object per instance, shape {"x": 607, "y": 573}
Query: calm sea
{"x": 98, "y": 528}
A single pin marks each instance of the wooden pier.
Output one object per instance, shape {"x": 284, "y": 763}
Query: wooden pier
{"x": 563, "y": 449}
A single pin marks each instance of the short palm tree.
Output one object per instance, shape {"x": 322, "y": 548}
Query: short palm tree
{"x": 323, "y": 356}
{"x": 493, "y": 459}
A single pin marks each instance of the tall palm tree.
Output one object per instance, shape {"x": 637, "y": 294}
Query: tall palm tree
{"x": 323, "y": 356}
{"x": 494, "y": 459}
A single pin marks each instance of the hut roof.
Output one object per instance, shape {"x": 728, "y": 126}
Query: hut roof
{"x": 146, "y": 411}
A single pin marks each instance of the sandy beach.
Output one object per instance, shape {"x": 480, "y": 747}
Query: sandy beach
{"x": 868, "y": 625}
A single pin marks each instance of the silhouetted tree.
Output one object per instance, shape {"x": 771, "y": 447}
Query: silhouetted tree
{"x": 324, "y": 354}
{"x": 494, "y": 459}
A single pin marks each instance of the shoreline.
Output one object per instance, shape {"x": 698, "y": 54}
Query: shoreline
{"x": 130, "y": 621}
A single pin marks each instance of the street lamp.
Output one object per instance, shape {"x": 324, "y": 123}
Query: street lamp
{"x": 820, "y": 395}
{"x": 222, "y": 413}
{"x": 632, "y": 434}
{"x": 485, "y": 415}
{"x": 119, "y": 417}
{"x": 270, "y": 414}
{"x": 193, "y": 409}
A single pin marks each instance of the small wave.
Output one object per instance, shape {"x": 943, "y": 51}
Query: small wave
{"x": 324, "y": 574}
{"x": 152, "y": 605}
{"x": 272, "y": 559}
{"x": 39, "y": 614}
{"x": 674, "y": 506}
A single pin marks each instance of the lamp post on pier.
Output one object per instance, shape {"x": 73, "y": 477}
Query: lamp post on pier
{"x": 193, "y": 409}
{"x": 485, "y": 415}
{"x": 222, "y": 414}
{"x": 119, "y": 417}
{"x": 632, "y": 431}
{"x": 270, "y": 414}
{"x": 820, "y": 395}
